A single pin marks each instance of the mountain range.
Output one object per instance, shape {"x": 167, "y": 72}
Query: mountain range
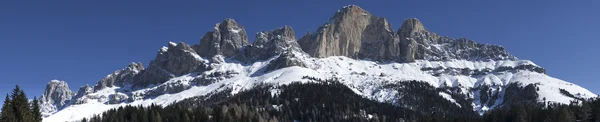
{"x": 359, "y": 50}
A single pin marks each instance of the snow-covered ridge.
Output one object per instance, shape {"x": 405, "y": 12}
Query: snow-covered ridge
{"x": 365, "y": 77}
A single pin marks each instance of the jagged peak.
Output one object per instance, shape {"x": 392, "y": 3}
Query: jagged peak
{"x": 285, "y": 31}
{"x": 54, "y": 85}
{"x": 412, "y": 25}
{"x": 229, "y": 24}
{"x": 285, "y": 27}
{"x": 55, "y": 81}
{"x": 274, "y": 42}
{"x": 351, "y": 10}
{"x": 172, "y": 44}
{"x": 85, "y": 86}
{"x": 136, "y": 65}
{"x": 182, "y": 45}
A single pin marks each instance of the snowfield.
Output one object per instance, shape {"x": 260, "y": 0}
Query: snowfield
{"x": 364, "y": 77}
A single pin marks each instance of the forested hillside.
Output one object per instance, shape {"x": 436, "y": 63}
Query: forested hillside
{"x": 329, "y": 100}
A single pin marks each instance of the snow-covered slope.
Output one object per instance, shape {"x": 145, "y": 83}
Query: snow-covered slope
{"x": 360, "y": 51}
{"x": 366, "y": 78}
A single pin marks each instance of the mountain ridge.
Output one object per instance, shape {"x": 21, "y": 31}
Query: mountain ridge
{"x": 355, "y": 46}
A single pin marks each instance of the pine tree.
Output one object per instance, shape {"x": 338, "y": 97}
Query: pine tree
{"x": 20, "y": 105}
{"x": 84, "y": 120}
{"x": 565, "y": 115}
{"x": 35, "y": 110}
{"x": 519, "y": 113}
{"x": 7, "y": 114}
{"x": 157, "y": 117}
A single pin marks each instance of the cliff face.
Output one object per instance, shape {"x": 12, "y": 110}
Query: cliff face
{"x": 272, "y": 43}
{"x": 351, "y": 32}
{"x": 227, "y": 39}
{"x": 120, "y": 77}
{"x": 417, "y": 43}
{"x": 354, "y": 32}
{"x": 56, "y": 96}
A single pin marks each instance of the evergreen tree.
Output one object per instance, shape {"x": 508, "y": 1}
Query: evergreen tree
{"x": 565, "y": 115}
{"x": 20, "y": 105}
{"x": 35, "y": 110}
{"x": 519, "y": 113}
{"x": 7, "y": 114}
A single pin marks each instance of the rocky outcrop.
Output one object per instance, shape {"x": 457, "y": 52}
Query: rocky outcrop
{"x": 81, "y": 93}
{"x": 117, "y": 98}
{"x": 351, "y": 32}
{"x": 286, "y": 59}
{"x": 273, "y": 43}
{"x": 416, "y": 42}
{"x": 227, "y": 39}
{"x": 175, "y": 60}
{"x": 437, "y": 71}
{"x": 120, "y": 77}
{"x": 56, "y": 96}
{"x": 168, "y": 88}
{"x": 180, "y": 59}
{"x": 527, "y": 67}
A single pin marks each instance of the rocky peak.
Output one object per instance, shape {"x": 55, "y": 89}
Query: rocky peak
{"x": 227, "y": 39}
{"x": 56, "y": 95}
{"x": 180, "y": 59}
{"x": 411, "y": 25}
{"x": 120, "y": 77}
{"x": 175, "y": 60}
{"x": 83, "y": 91}
{"x": 417, "y": 43}
{"x": 273, "y": 43}
{"x": 350, "y": 10}
{"x": 351, "y": 32}
{"x": 133, "y": 66}
{"x": 286, "y": 59}
{"x": 285, "y": 32}
{"x": 229, "y": 24}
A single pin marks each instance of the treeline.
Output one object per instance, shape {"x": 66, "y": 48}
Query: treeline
{"x": 424, "y": 98}
{"x": 330, "y": 101}
{"x": 17, "y": 108}
{"x": 326, "y": 100}
{"x": 316, "y": 102}
{"x": 577, "y": 111}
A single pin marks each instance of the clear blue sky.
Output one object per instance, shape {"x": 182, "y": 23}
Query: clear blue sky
{"x": 81, "y": 41}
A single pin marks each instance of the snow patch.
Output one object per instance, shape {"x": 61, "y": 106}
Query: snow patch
{"x": 449, "y": 98}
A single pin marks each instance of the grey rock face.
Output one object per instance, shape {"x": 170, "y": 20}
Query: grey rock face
{"x": 167, "y": 88}
{"x": 351, "y": 32}
{"x": 56, "y": 96}
{"x": 416, "y": 42}
{"x": 273, "y": 43}
{"x": 117, "y": 98}
{"x": 82, "y": 92}
{"x": 286, "y": 59}
{"x": 175, "y": 60}
{"x": 214, "y": 77}
{"x": 152, "y": 75}
{"x": 120, "y": 77}
{"x": 227, "y": 39}
{"x": 180, "y": 59}
{"x": 437, "y": 71}
{"x": 355, "y": 33}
